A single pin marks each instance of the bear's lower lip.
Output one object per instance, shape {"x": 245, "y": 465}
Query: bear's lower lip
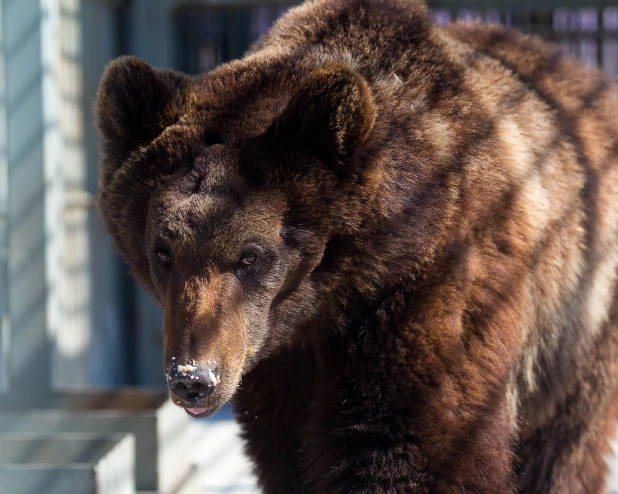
{"x": 198, "y": 412}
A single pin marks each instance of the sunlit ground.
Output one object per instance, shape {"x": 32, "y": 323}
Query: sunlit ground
{"x": 222, "y": 466}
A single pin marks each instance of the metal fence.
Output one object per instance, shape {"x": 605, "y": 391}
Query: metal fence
{"x": 589, "y": 34}
{"x": 209, "y": 36}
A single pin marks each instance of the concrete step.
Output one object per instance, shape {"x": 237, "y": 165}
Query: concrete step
{"x": 159, "y": 427}
{"x": 67, "y": 463}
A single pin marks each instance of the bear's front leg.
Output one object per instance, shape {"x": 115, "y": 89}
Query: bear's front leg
{"x": 393, "y": 419}
{"x": 272, "y": 406}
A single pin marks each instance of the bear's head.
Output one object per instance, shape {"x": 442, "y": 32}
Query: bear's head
{"x": 223, "y": 194}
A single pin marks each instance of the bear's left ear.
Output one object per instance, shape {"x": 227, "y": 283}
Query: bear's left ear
{"x": 135, "y": 103}
{"x": 331, "y": 113}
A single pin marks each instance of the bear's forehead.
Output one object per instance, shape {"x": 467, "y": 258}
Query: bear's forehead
{"x": 205, "y": 202}
{"x": 220, "y": 218}
{"x": 198, "y": 222}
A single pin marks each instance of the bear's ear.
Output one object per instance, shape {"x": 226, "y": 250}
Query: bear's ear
{"x": 136, "y": 102}
{"x": 331, "y": 113}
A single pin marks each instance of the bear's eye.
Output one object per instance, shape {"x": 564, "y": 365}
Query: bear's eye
{"x": 164, "y": 256}
{"x": 248, "y": 256}
{"x": 248, "y": 259}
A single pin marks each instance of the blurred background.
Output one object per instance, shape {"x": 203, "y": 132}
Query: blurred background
{"x": 72, "y": 321}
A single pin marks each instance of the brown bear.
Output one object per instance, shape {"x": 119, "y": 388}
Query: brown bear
{"x": 392, "y": 246}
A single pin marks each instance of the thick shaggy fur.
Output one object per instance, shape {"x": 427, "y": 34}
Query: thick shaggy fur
{"x": 433, "y": 305}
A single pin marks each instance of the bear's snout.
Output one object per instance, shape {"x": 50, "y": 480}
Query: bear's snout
{"x": 191, "y": 382}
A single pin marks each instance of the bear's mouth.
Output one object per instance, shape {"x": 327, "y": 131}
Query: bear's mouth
{"x": 199, "y": 413}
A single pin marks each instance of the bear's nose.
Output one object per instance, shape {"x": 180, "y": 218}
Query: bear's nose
{"x": 192, "y": 383}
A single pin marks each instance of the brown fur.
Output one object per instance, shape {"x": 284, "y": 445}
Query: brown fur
{"x": 433, "y": 305}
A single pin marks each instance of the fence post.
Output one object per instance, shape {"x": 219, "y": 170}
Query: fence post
{"x": 4, "y": 219}
{"x": 33, "y": 162}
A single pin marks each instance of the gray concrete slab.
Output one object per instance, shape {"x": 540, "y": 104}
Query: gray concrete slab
{"x": 160, "y": 428}
{"x": 58, "y": 464}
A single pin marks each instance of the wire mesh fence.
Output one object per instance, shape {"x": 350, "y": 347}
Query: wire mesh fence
{"x": 209, "y": 36}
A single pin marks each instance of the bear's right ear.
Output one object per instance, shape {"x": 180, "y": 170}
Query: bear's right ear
{"x": 135, "y": 103}
{"x": 331, "y": 113}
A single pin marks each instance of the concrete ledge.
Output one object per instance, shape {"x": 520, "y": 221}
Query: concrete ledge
{"x": 63, "y": 463}
{"x": 159, "y": 427}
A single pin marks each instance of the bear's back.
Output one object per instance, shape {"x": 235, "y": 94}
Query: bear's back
{"x": 567, "y": 86}
{"x": 533, "y": 137}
